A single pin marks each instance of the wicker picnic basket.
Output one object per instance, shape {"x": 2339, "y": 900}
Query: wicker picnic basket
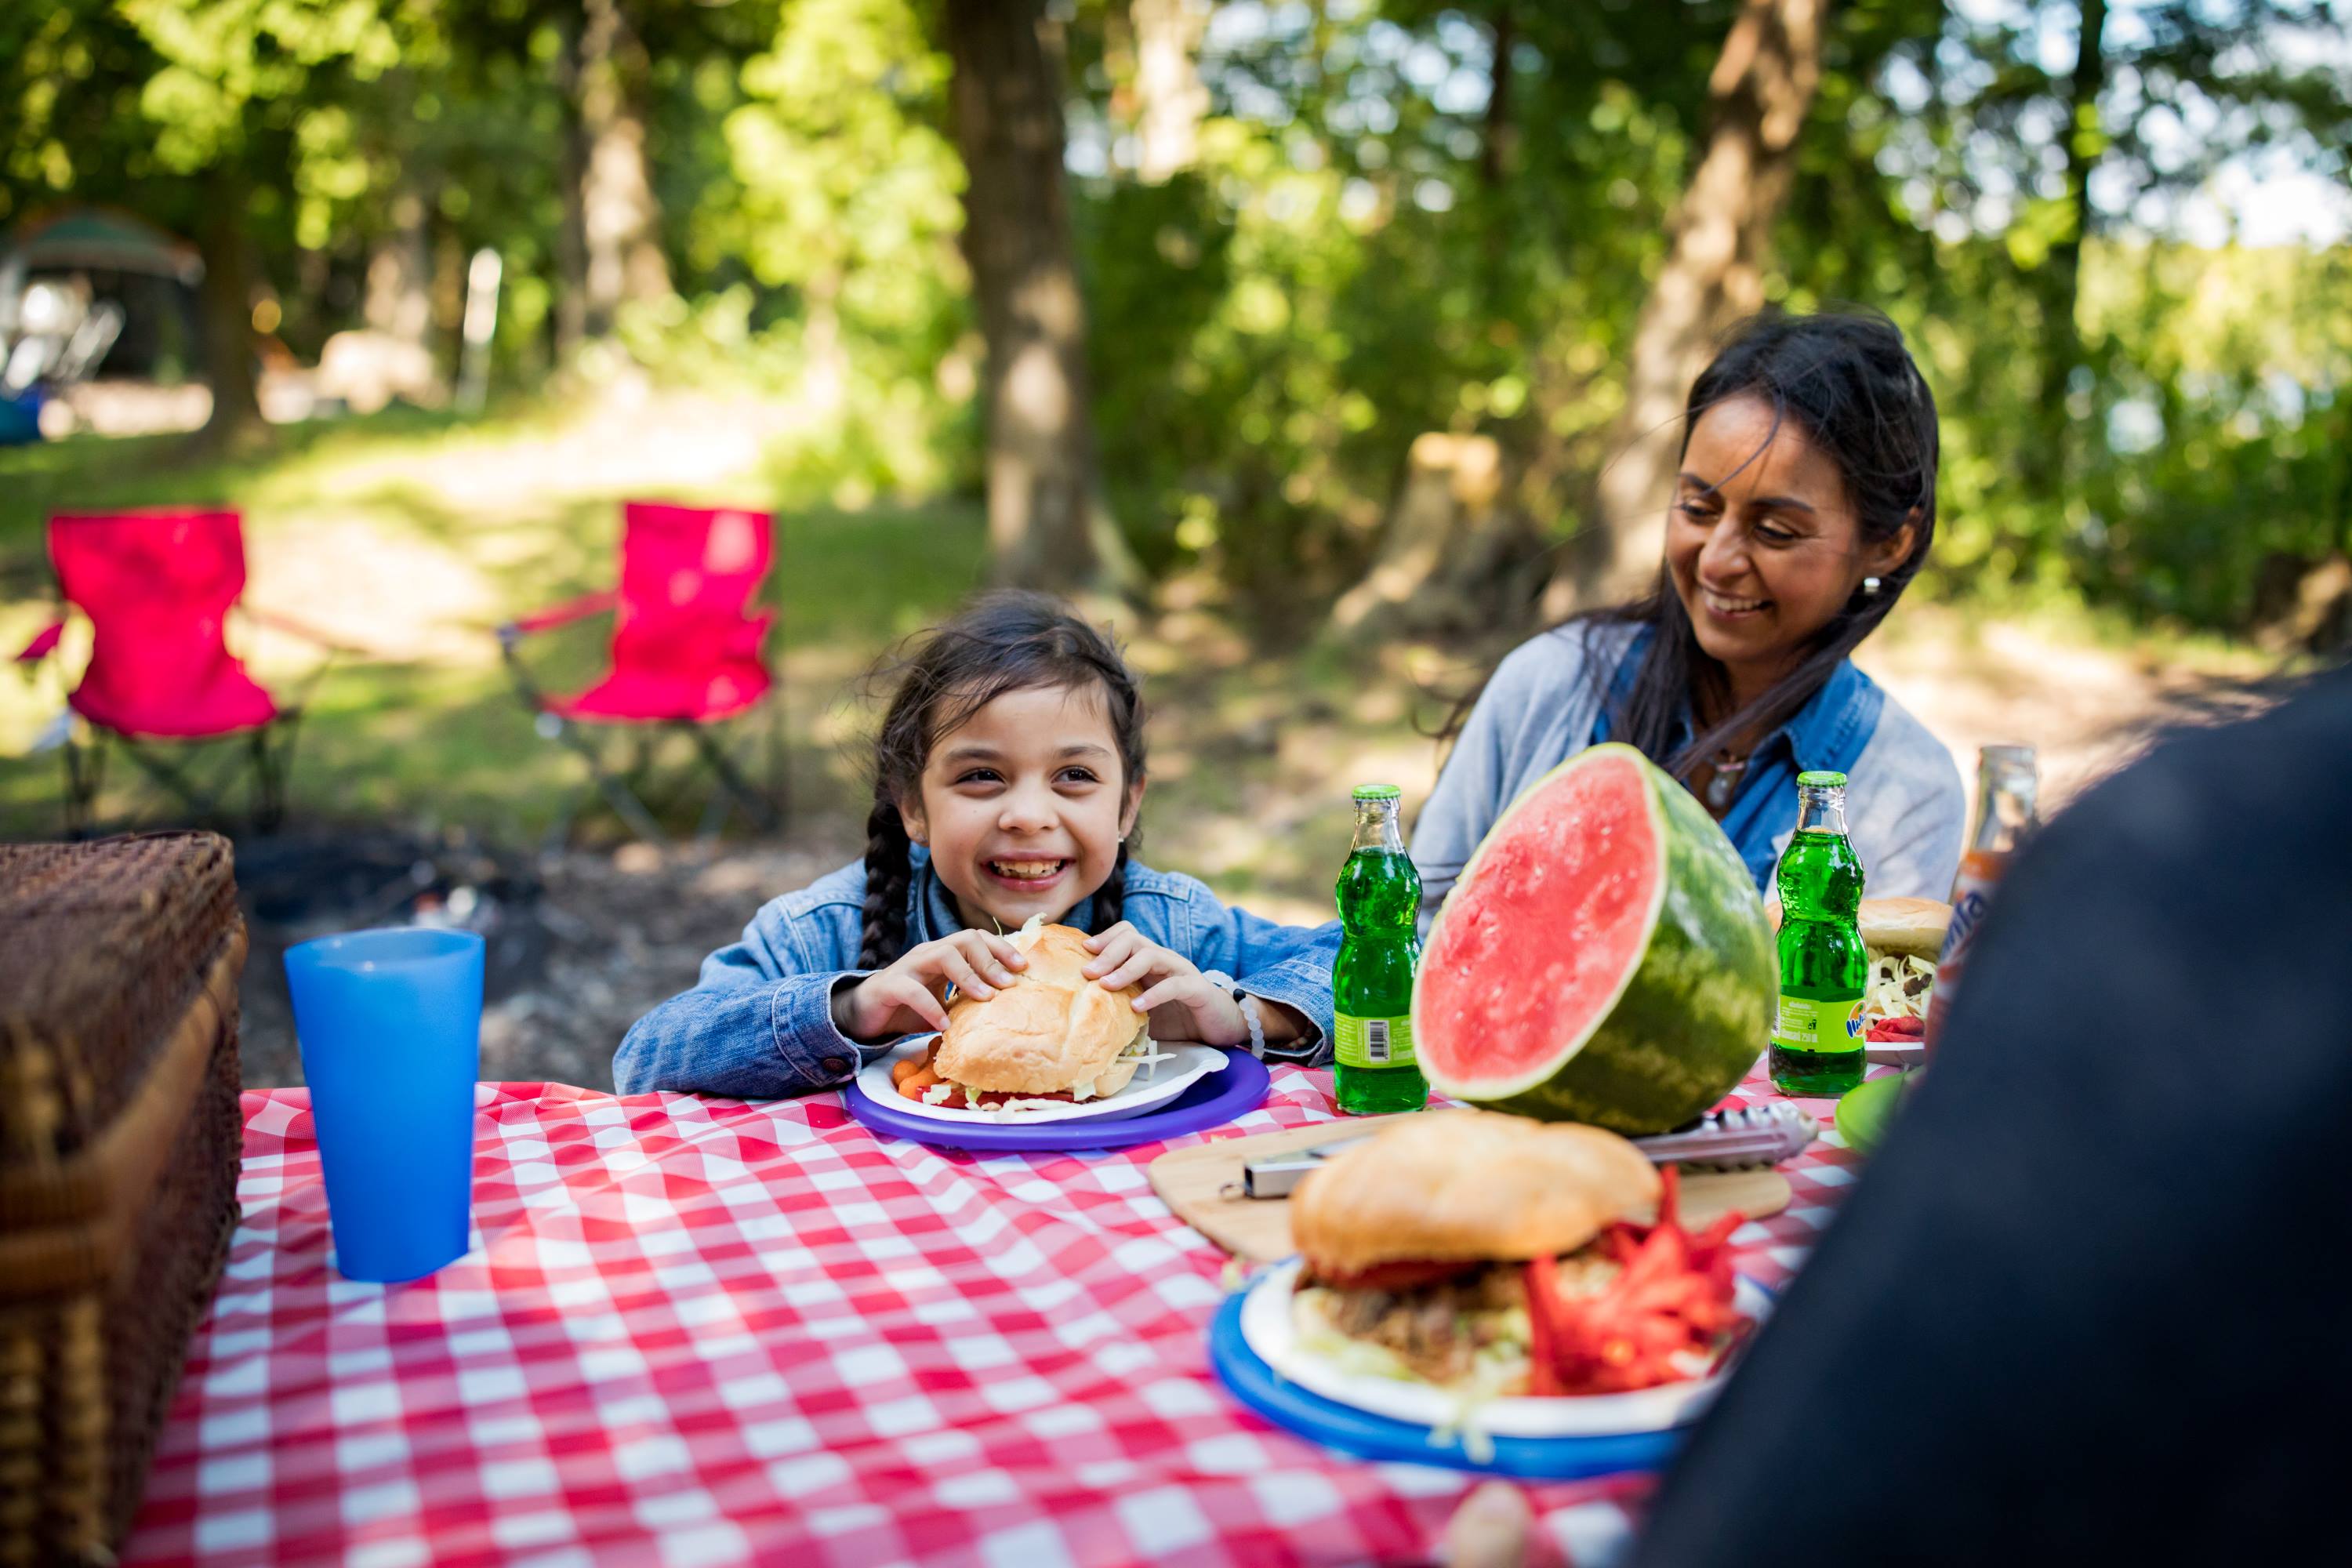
{"x": 119, "y": 1141}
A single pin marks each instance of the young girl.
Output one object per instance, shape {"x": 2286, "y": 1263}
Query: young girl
{"x": 1008, "y": 776}
{"x": 1806, "y": 503}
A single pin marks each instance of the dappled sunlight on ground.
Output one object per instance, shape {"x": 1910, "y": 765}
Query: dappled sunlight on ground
{"x": 367, "y": 579}
{"x": 688, "y": 446}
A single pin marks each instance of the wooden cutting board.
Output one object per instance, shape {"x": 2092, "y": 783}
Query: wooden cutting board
{"x": 1203, "y": 1185}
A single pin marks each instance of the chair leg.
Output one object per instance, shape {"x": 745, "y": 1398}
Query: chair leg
{"x": 714, "y": 816}
{"x": 285, "y": 765}
{"x": 559, "y": 832}
{"x": 761, "y": 809}
{"x": 625, "y": 805}
{"x": 85, "y": 772}
{"x": 780, "y": 760}
{"x": 202, "y": 802}
{"x": 270, "y": 768}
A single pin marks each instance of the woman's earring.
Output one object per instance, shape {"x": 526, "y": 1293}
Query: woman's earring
{"x": 1870, "y": 585}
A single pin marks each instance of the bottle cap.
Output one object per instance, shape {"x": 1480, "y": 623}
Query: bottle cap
{"x": 1377, "y": 791}
{"x": 1820, "y": 780}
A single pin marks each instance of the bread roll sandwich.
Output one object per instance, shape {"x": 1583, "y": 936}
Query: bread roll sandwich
{"x": 1480, "y": 1253}
{"x": 1904, "y": 937}
{"x": 1053, "y": 1034}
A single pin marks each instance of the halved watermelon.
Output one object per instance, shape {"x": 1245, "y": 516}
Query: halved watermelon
{"x": 1604, "y": 957}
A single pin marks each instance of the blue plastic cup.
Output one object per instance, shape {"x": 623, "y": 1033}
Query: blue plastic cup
{"x": 390, "y": 1027}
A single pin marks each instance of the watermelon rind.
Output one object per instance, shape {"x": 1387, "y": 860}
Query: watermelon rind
{"x": 1685, "y": 1021}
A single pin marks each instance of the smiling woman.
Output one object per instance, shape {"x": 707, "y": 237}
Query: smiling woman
{"x": 1805, "y": 503}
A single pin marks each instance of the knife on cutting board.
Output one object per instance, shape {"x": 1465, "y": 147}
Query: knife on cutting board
{"x": 1730, "y": 1140}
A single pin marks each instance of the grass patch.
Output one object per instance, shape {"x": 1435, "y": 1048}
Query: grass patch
{"x": 438, "y": 737}
{"x": 102, "y": 473}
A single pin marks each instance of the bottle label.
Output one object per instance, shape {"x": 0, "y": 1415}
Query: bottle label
{"x": 1972, "y": 890}
{"x": 1981, "y": 873}
{"x": 1373, "y": 1042}
{"x": 1812, "y": 1024}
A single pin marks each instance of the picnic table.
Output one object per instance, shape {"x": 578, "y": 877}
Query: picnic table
{"x": 699, "y": 1331}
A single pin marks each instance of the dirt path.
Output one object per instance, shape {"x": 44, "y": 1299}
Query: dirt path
{"x": 2087, "y": 709}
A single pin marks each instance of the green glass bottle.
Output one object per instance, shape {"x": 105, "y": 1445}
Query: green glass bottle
{"x": 1374, "y": 1071}
{"x": 1817, "y": 1044}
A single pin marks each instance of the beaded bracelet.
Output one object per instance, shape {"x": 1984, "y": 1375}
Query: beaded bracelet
{"x": 1251, "y": 1015}
{"x": 1256, "y": 1019}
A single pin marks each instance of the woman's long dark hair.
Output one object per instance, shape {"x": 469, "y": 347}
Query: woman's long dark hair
{"x": 1846, "y": 379}
{"x": 1005, "y": 641}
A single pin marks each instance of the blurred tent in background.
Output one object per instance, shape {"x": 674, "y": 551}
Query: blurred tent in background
{"x": 91, "y": 291}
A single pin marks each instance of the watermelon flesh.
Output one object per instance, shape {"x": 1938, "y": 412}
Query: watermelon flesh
{"x": 1603, "y": 958}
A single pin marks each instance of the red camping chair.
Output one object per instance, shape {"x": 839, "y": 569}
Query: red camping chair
{"x": 157, "y": 586}
{"x": 685, "y": 653}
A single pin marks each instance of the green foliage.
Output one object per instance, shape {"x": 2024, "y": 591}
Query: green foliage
{"x": 1365, "y": 248}
{"x": 842, "y": 204}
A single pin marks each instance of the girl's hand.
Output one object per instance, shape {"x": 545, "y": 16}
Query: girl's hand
{"x": 1184, "y": 1005}
{"x": 910, "y": 996}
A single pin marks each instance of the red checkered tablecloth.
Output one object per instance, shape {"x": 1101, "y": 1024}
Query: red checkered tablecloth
{"x": 702, "y": 1332}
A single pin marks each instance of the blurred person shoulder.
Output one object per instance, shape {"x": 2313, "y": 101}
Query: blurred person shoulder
{"x": 2255, "y": 810}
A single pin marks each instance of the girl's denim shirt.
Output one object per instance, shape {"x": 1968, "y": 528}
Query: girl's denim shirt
{"x": 759, "y": 1023}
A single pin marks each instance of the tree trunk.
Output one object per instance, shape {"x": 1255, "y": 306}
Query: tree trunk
{"x": 1007, "y": 113}
{"x": 1498, "y": 138}
{"x": 1168, "y": 95}
{"x": 620, "y": 231}
{"x": 2062, "y": 270}
{"x": 1713, "y": 274}
{"x": 1453, "y": 559}
{"x": 399, "y": 302}
{"x": 226, "y": 304}
{"x": 569, "y": 316}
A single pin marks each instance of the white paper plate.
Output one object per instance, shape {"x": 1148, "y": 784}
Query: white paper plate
{"x": 1153, "y": 1086}
{"x": 1267, "y": 1329}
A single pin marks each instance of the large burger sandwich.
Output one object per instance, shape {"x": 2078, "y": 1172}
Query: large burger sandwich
{"x": 1491, "y": 1255}
{"x": 1053, "y": 1035}
{"x": 1904, "y": 937}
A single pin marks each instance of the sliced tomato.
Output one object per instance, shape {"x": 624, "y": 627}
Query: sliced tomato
{"x": 991, "y": 1099}
{"x": 1672, "y": 1295}
{"x": 1543, "y": 1298}
{"x": 1405, "y": 1275}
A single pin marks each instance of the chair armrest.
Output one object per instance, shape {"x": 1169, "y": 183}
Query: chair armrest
{"x": 744, "y": 639}
{"x": 579, "y": 609}
{"x": 293, "y": 628}
{"x": 44, "y": 643}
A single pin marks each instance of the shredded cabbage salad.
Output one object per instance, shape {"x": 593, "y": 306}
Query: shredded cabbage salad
{"x": 1143, "y": 1051}
{"x": 1498, "y": 1369}
{"x": 1899, "y": 986}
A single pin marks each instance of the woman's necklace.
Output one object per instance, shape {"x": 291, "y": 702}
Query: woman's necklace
{"x": 1724, "y": 781}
